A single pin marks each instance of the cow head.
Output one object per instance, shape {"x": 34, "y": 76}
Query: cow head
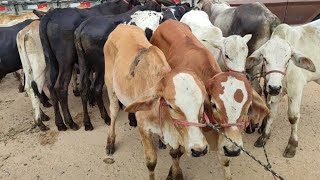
{"x": 146, "y": 20}
{"x": 233, "y": 52}
{"x": 184, "y": 95}
{"x": 230, "y": 96}
{"x": 275, "y": 56}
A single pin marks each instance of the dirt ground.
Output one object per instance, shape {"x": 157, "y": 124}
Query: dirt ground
{"x": 27, "y": 153}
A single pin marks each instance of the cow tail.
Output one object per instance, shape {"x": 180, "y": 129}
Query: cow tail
{"x": 24, "y": 55}
{"x": 48, "y": 53}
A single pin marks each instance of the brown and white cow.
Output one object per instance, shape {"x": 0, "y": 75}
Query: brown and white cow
{"x": 166, "y": 101}
{"x": 290, "y": 60}
{"x": 230, "y": 93}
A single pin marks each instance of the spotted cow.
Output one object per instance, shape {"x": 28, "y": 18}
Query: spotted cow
{"x": 230, "y": 93}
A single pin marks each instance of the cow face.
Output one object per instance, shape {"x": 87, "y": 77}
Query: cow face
{"x": 146, "y": 20}
{"x": 230, "y": 97}
{"x": 184, "y": 94}
{"x": 275, "y": 57}
{"x": 233, "y": 52}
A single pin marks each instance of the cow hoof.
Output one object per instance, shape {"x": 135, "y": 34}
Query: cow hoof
{"x": 132, "y": 119}
{"x": 110, "y": 149}
{"x": 250, "y": 130}
{"x": 43, "y": 127}
{"x": 47, "y": 104}
{"x": 21, "y": 88}
{"x": 107, "y": 120}
{"x": 290, "y": 152}
{"x": 74, "y": 126}
{"x": 260, "y": 142}
{"x": 88, "y": 127}
{"x": 76, "y": 93}
{"x": 133, "y": 123}
{"x": 62, "y": 127}
{"x": 161, "y": 145}
{"x": 44, "y": 117}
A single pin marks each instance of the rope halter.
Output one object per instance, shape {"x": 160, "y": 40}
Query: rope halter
{"x": 202, "y": 124}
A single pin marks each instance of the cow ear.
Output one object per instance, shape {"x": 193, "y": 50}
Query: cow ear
{"x": 303, "y": 62}
{"x": 216, "y": 44}
{"x": 253, "y": 60}
{"x": 258, "y": 109}
{"x": 247, "y": 37}
{"x": 145, "y": 102}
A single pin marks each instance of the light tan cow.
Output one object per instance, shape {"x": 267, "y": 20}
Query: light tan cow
{"x": 10, "y": 20}
{"x": 138, "y": 75}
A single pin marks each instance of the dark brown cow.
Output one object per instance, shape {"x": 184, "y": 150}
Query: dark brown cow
{"x": 230, "y": 93}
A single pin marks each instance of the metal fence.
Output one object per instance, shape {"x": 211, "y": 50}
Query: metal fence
{"x": 20, "y": 6}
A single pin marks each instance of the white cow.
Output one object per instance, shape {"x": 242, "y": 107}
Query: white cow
{"x": 33, "y": 63}
{"x": 34, "y": 68}
{"x": 291, "y": 60}
{"x": 230, "y": 52}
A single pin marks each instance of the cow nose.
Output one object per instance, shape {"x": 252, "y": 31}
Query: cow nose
{"x": 231, "y": 153}
{"x": 274, "y": 90}
{"x": 196, "y": 153}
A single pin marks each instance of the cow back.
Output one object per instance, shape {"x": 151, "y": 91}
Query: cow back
{"x": 182, "y": 49}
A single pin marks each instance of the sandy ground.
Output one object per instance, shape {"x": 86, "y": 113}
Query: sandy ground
{"x": 27, "y": 153}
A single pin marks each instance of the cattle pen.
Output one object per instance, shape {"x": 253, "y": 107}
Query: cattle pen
{"x": 159, "y": 89}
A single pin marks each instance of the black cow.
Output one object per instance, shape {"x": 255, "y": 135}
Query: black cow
{"x": 9, "y": 55}
{"x": 57, "y": 37}
{"x": 176, "y": 12}
{"x": 90, "y": 37}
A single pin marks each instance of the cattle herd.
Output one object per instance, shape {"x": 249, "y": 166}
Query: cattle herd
{"x": 174, "y": 69}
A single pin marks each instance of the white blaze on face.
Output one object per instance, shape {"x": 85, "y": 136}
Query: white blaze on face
{"x": 233, "y": 108}
{"x": 189, "y": 99}
{"x": 146, "y": 19}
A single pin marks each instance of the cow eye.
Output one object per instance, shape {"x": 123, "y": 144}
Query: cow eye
{"x": 170, "y": 106}
{"x": 227, "y": 56}
{"x": 214, "y": 105}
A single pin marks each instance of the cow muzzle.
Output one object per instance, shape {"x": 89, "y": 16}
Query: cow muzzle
{"x": 231, "y": 153}
{"x": 198, "y": 153}
{"x": 274, "y": 90}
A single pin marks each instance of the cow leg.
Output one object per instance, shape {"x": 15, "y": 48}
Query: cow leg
{"x": 51, "y": 80}
{"x": 150, "y": 154}
{"x": 114, "y": 110}
{"x": 84, "y": 91}
{"x": 61, "y": 88}
{"x": 98, "y": 94}
{"x": 132, "y": 119}
{"x": 45, "y": 100}
{"x": 38, "y": 114}
{"x": 294, "y": 102}
{"x": 21, "y": 81}
{"x": 75, "y": 88}
{"x": 175, "y": 172}
{"x": 267, "y": 130}
{"x": 225, "y": 163}
{"x": 161, "y": 145}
